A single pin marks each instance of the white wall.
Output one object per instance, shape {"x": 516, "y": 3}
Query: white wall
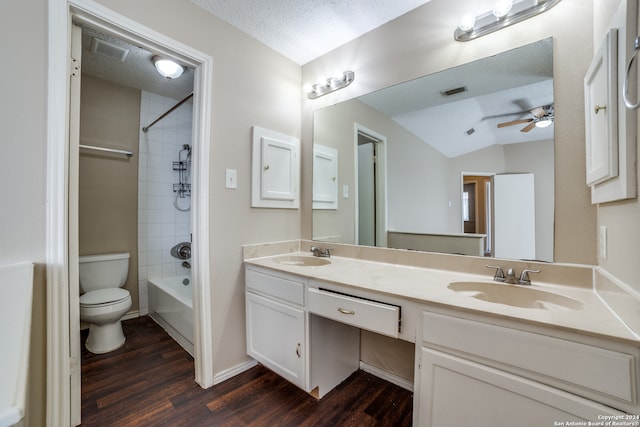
{"x": 160, "y": 224}
{"x": 620, "y": 218}
{"x": 23, "y": 29}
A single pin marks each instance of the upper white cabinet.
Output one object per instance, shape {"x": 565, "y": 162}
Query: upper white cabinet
{"x": 325, "y": 177}
{"x": 610, "y": 127}
{"x": 275, "y": 177}
{"x": 601, "y": 112}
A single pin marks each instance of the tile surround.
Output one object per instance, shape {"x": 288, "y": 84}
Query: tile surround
{"x": 160, "y": 224}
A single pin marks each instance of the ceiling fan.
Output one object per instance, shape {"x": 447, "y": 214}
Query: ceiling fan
{"x": 542, "y": 117}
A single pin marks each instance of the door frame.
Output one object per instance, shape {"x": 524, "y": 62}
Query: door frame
{"x": 61, "y": 294}
{"x": 381, "y": 183}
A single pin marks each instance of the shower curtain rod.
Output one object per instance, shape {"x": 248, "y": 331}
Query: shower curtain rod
{"x": 186, "y": 98}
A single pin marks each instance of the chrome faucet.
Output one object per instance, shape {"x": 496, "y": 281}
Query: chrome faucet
{"x": 510, "y": 277}
{"x": 499, "y": 275}
{"x": 319, "y": 252}
{"x": 524, "y": 277}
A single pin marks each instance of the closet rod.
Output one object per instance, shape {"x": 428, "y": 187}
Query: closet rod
{"x": 109, "y": 150}
{"x": 186, "y": 98}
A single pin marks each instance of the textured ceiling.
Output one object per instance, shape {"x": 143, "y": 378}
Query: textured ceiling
{"x": 303, "y": 30}
{"x": 137, "y": 70}
{"x": 501, "y": 88}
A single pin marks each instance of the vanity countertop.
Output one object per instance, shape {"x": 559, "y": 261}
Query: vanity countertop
{"x": 425, "y": 285}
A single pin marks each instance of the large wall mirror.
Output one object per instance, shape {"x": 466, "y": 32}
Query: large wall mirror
{"x": 461, "y": 161}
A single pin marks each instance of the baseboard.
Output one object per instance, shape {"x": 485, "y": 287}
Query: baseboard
{"x": 387, "y": 376}
{"x": 232, "y": 372}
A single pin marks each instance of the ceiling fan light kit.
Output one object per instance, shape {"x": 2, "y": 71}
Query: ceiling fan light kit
{"x": 503, "y": 14}
{"x": 542, "y": 117}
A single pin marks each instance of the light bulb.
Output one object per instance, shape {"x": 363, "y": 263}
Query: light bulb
{"x": 501, "y": 8}
{"x": 543, "y": 123}
{"x": 168, "y": 68}
{"x": 467, "y": 22}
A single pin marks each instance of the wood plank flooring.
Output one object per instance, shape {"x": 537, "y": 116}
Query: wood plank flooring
{"x": 149, "y": 382}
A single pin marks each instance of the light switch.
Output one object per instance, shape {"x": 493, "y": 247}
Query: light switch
{"x": 345, "y": 191}
{"x": 231, "y": 178}
{"x": 602, "y": 242}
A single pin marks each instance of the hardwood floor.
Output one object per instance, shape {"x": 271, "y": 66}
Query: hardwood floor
{"x": 149, "y": 382}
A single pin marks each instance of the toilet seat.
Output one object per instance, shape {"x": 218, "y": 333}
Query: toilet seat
{"x": 103, "y": 297}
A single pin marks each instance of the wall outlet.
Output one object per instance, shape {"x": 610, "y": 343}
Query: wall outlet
{"x": 231, "y": 178}
{"x": 602, "y": 242}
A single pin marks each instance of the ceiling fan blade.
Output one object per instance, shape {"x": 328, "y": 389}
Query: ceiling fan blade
{"x": 514, "y": 122}
{"x": 538, "y": 112}
{"x": 528, "y": 127}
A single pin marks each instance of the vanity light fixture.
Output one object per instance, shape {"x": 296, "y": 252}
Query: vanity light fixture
{"x": 330, "y": 85}
{"x": 167, "y": 68}
{"x": 503, "y": 14}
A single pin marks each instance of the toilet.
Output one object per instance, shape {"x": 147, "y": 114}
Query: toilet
{"x": 103, "y": 301}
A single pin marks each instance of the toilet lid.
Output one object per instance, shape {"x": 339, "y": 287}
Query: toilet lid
{"x": 104, "y": 296}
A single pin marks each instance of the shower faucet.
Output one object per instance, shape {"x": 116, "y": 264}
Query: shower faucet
{"x": 182, "y": 250}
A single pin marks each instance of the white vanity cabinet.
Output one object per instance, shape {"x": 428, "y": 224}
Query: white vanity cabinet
{"x": 315, "y": 353}
{"x": 472, "y": 370}
{"x": 276, "y": 325}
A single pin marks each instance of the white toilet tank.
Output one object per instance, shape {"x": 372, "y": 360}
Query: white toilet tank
{"x": 103, "y": 271}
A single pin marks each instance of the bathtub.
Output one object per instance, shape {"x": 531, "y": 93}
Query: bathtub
{"x": 171, "y": 306}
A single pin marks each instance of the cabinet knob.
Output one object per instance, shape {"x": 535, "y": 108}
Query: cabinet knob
{"x": 266, "y": 167}
{"x": 298, "y": 351}
{"x": 345, "y": 311}
{"x": 599, "y": 107}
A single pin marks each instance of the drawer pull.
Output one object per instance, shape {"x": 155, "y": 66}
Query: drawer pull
{"x": 298, "y": 350}
{"x": 345, "y": 311}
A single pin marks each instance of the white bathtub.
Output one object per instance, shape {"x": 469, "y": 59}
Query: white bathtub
{"x": 171, "y": 306}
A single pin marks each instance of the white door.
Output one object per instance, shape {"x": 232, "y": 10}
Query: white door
{"x": 514, "y": 216}
{"x": 366, "y": 195}
{"x": 276, "y": 338}
{"x": 325, "y": 177}
{"x": 458, "y": 392}
{"x": 278, "y": 170}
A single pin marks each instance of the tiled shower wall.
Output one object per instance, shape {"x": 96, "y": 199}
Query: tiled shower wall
{"x": 160, "y": 224}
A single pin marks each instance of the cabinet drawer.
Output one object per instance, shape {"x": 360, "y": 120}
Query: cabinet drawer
{"x": 278, "y": 287}
{"x": 597, "y": 371}
{"x": 370, "y": 315}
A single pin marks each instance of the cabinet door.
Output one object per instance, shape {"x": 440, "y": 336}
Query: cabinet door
{"x": 601, "y": 118}
{"x": 325, "y": 177}
{"x": 458, "y": 392}
{"x": 276, "y": 338}
{"x": 275, "y": 170}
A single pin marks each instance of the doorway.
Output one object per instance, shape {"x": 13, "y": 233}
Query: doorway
{"x": 370, "y": 187}
{"x": 63, "y": 367}
{"x": 476, "y": 207}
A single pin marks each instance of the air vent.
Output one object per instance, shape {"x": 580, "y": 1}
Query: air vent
{"x": 454, "y": 91}
{"x": 108, "y": 50}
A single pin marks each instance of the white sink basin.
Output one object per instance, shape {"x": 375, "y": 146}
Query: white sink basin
{"x": 516, "y": 296}
{"x": 302, "y": 260}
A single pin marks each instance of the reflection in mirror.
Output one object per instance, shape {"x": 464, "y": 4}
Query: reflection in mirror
{"x": 461, "y": 161}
